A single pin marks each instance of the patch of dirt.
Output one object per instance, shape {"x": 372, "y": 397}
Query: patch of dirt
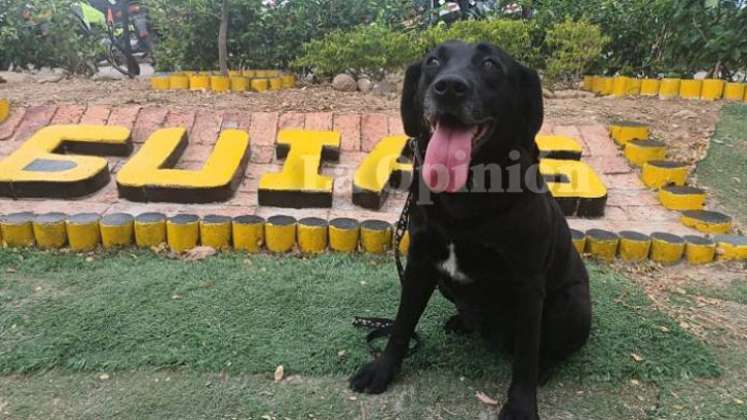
{"x": 684, "y": 125}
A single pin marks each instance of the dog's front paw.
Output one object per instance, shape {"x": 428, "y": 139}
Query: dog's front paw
{"x": 517, "y": 412}
{"x": 374, "y": 377}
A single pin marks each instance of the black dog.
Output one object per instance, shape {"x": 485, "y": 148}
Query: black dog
{"x": 499, "y": 248}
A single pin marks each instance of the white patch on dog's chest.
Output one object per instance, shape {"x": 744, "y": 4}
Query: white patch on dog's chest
{"x": 451, "y": 268}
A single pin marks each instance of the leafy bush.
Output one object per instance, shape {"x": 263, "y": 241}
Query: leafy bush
{"x": 513, "y": 36}
{"x": 367, "y": 49}
{"x": 573, "y": 47}
{"x": 44, "y": 33}
{"x": 260, "y": 35}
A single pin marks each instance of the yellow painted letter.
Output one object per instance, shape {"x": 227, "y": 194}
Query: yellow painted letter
{"x": 379, "y": 170}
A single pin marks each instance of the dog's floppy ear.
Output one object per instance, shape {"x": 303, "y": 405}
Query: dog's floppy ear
{"x": 410, "y": 108}
{"x": 532, "y": 108}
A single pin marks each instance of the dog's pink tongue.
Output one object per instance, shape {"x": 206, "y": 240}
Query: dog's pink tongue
{"x": 447, "y": 158}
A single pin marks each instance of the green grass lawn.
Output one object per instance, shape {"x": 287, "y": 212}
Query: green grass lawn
{"x": 202, "y": 339}
{"x": 724, "y": 170}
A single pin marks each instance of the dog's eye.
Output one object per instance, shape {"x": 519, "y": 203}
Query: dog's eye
{"x": 490, "y": 65}
{"x": 433, "y": 62}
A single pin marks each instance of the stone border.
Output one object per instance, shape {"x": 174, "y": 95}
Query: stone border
{"x": 236, "y": 81}
{"x": 282, "y": 234}
{"x": 667, "y": 88}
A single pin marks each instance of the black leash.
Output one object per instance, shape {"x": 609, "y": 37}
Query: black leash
{"x": 382, "y": 327}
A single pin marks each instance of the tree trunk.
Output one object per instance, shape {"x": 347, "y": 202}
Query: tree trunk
{"x": 223, "y": 40}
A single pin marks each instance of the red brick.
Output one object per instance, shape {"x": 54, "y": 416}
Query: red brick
{"x": 349, "y": 125}
{"x": 124, "y": 116}
{"x": 35, "y": 118}
{"x": 264, "y": 129}
{"x": 291, "y": 120}
{"x": 395, "y": 126}
{"x": 96, "y": 114}
{"x": 148, "y": 121}
{"x": 631, "y": 198}
{"x": 196, "y": 153}
{"x": 262, "y": 154}
{"x": 68, "y": 114}
{"x": 206, "y": 128}
{"x": 622, "y": 181}
{"x": 609, "y": 164}
{"x": 546, "y": 128}
{"x": 9, "y": 126}
{"x": 374, "y": 127}
{"x": 614, "y": 213}
{"x": 572, "y": 131}
{"x": 598, "y": 141}
{"x": 185, "y": 119}
{"x": 351, "y": 159}
{"x": 650, "y": 214}
{"x": 321, "y": 121}
{"x": 237, "y": 120}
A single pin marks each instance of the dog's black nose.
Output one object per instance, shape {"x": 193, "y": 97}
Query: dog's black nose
{"x": 451, "y": 86}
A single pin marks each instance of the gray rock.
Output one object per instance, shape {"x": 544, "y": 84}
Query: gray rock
{"x": 344, "y": 83}
{"x": 364, "y": 85}
{"x": 384, "y": 88}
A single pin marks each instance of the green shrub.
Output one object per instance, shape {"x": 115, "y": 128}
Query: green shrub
{"x": 367, "y": 49}
{"x": 44, "y": 33}
{"x": 573, "y": 47}
{"x": 513, "y": 36}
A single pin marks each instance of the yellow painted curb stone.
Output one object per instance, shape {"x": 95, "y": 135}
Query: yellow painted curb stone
{"x": 215, "y": 231}
{"x": 83, "y": 233}
{"x": 312, "y": 235}
{"x": 239, "y": 84}
{"x": 658, "y": 173}
{"x": 690, "y": 89}
{"x": 159, "y": 82}
{"x": 260, "y": 85}
{"x": 376, "y": 236}
{"x": 182, "y": 232}
{"x": 17, "y": 231}
{"x": 713, "y": 89}
{"x": 706, "y": 221}
{"x": 199, "y": 82}
{"x": 639, "y": 152}
{"x": 248, "y": 233}
{"x": 280, "y": 233}
{"x": 732, "y": 92}
{"x": 625, "y": 131}
{"x": 117, "y": 230}
{"x": 49, "y": 230}
{"x": 179, "y": 82}
{"x": 150, "y": 230}
{"x": 666, "y": 248}
{"x": 602, "y": 244}
{"x": 634, "y": 246}
{"x": 650, "y": 87}
{"x": 699, "y": 250}
{"x": 5, "y": 109}
{"x": 220, "y": 84}
{"x": 344, "y": 234}
{"x": 731, "y": 247}
{"x": 620, "y": 86}
{"x": 579, "y": 240}
{"x": 675, "y": 197}
{"x": 669, "y": 88}
{"x": 634, "y": 87}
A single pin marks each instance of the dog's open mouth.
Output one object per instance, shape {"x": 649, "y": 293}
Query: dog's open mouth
{"x": 447, "y": 158}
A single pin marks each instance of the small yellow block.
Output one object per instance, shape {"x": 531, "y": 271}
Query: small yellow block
{"x": 344, "y": 234}
{"x": 250, "y": 74}
{"x": 666, "y": 248}
{"x": 260, "y": 85}
{"x": 215, "y": 231}
{"x": 690, "y": 88}
{"x": 706, "y": 221}
{"x": 5, "y": 109}
{"x": 713, "y": 89}
{"x": 625, "y": 131}
{"x": 235, "y": 73}
{"x": 83, "y": 232}
{"x": 150, "y": 230}
{"x": 675, "y": 197}
{"x": 17, "y": 231}
{"x": 220, "y": 84}
{"x": 650, "y": 87}
{"x": 117, "y": 230}
{"x": 731, "y": 247}
{"x": 376, "y": 236}
{"x": 620, "y": 86}
{"x": 588, "y": 83}
{"x": 248, "y": 233}
{"x": 633, "y": 87}
{"x": 607, "y": 85}
{"x": 312, "y": 235}
{"x": 602, "y": 244}
{"x": 404, "y": 243}
{"x": 49, "y": 230}
{"x": 159, "y": 82}
{"x": 579, "y": 240}
{"x": 280, "y": 233}
{"x": 276, "y": 83}
{"x": 183, "y": 232}
{"x": 596, "y": 84}
{"x": 658, "y": 173}
{"x": 732, "y": 92}
{"x": 199, "y": 82}
{"x": 179, "y": 82}
{"x": 639, "y": 152}
{"x": 634, "y": 246}
{"x": 669, "y": 88}
{"x": 699, "y": 250}
{"x": 239, "y": 84}
{"x": 289, "y": 81}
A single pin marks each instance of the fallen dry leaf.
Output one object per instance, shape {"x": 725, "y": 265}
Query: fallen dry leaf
{"x": 485, "y": 399}
{"x": 279, "y": 373}
{"x": 636, "y": 357}
{"x": 198, "y": 253}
